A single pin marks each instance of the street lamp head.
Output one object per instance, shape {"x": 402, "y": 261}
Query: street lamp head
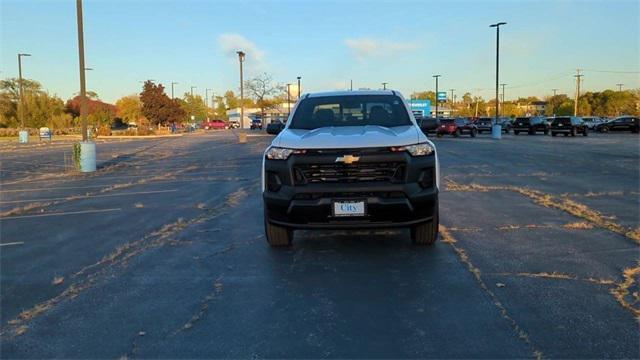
{"x": 498, "y": 24}
{"x": 87, "y": 69}
{"x": 241, "y": 55}
{"x": 23, "y": 54}
{"x": 299, "y": 77}
{"x": 436, "y": 76}
{"x": 175, "y": 83}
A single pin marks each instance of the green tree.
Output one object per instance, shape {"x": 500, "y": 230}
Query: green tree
{"x": 129, "y": 108}
{"x": 425, "y": 95}
{"x": 39, "y": 105}
{"x": 194, "y": 105}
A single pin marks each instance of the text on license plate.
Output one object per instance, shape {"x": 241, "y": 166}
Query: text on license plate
{"x": 348, "y": 208}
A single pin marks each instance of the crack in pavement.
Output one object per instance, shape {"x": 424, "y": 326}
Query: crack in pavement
{"x": 447, "y": 238}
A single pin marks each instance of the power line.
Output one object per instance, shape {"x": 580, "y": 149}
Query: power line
{"x": 612, "y": 71}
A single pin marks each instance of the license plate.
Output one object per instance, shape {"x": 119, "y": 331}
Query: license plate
{"x": 349, "y": 208}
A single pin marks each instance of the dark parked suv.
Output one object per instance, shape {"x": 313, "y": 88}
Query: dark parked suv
{"x": 568, "y": 125}
{"x": 622, "y": 123}
{"x": 456, "y": 127}
{"x": 485, "y": 123}
{"x": 531, "y": 125}
{"x": 428, "y": 124}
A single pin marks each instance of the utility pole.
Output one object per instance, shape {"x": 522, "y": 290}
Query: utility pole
{"x": 206, "y": 97}
{"x": 384, "y": 86}
{"x": 554, "y": 91}
{"x": 578, "y": 78}
{"x": 452, "y": 90}
{"x": 288, "y": 101}
{"x": 173, "y": 83}
{"x": 502, "y": 107}
{"x": 351, "y": 84}
{"x": 299, "y": 77}
{"x": 241, "y": 56}
{"x": 620, "y": 87}
{"x": 497, "y": 26}
{"x": 83, "y": 90}
{"x": 436, "y": 76}
{"x": 21, "y": 112}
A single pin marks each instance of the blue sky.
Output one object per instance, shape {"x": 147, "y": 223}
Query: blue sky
{"x": 327, "y": 43}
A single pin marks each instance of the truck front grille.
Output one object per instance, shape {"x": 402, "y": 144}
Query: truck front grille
{"x": 352, "y": 173}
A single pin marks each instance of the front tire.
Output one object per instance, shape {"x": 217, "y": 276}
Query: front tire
{"x": 457, "y": 133}
{"x": 516, "y": 132}
{"x": 574, "y": 131}
{"x": 553, "y": 134}
{"x": 277, "y": 236}
{"x": 473, "y": 132}
{"x": 426, "y": 233}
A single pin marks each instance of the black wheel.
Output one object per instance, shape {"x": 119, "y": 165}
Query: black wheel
{"x": 604, "y": 129}
{"x": 474, "y": 132}
{"x": 277, "y": 236}
{"x": 426, "y": 233}
{"x": 566, "y": 134}
{"x": 546, "y": 131}
{"x": 506, "y": 130}
{"x": 457, "y": 133}
{"x": 554, "y": 134}
{"x": 635, "y": 130}
{"x": 573, "y": 131}
{"x": 585, "y": 132}
{"x": 516, "y": 132}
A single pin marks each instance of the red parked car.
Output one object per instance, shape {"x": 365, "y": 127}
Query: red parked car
{"x": 214, "y": 125}
{"x": 456, "y": 127}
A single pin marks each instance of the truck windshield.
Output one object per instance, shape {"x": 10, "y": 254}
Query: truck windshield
{"x": 350, "y": 110}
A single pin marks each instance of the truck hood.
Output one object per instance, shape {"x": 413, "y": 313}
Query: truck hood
{"x": 342, "y": 137}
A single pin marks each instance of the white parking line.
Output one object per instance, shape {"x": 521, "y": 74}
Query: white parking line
{"x": 13, "y": 243}
{"x": 76, "y": 197}
{"x": 59, "y": 214}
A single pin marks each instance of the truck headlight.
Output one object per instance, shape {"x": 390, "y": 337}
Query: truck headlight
{"x": 276, "y": 153}
{"x": 423, "y": 149}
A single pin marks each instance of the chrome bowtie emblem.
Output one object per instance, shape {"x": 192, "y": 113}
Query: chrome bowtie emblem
{"x": 348, "y": 159}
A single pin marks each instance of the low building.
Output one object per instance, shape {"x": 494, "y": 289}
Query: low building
{"x": 278, "y": 113}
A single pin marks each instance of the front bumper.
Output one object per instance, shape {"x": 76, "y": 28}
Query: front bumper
{"x": 388, "y": 204}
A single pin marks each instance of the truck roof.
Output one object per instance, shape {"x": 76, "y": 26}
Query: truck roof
{"x": 352, "y": 92}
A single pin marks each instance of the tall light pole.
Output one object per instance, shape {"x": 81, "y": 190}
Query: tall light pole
{"x": 452, "y": 90}
{"x": 288, "y": 101}
{"x": 384, "y": 86}
{"x": 497, "y": 26}
{"x": 21, "y": 112}
{"x": 173, "y": 83}
{"x": 554, "y": 91}
{"x": 436, "y": 76}
{"x": 299, "y": 77}
{"x": 206, "y": 97}
{"x": 620, "y": 87}
{"x": 351, "y": 87}
{"x": 241, "y": 56}
{"x": 83, "y": 89}
{"x": 191, "y": 103}
{"x": 502, "y": 107}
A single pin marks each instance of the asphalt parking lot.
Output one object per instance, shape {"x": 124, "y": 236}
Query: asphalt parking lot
{"x": 161, "y": 253}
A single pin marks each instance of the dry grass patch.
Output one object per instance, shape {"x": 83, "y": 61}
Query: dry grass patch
{"x": 578, "y": 225}
{"x": 627, "y": 293}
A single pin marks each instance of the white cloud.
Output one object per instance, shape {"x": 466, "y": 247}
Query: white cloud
{"x": 230, "y": 43}
{"x": 366, "y": 47}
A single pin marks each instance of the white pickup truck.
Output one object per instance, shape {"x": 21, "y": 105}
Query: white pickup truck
{"x": 351, "y": 160}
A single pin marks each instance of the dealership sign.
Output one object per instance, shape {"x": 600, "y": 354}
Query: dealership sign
{"x": 442, "y": 96}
